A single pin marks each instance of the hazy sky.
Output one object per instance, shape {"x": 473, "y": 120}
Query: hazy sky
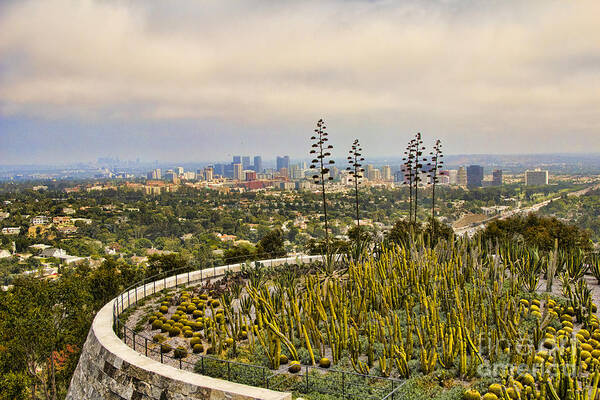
{"x": 201, "y": 80}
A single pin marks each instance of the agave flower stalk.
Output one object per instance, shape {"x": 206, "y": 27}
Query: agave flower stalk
{"x": 435, "y": 165}
{"x": 356, "y": 170}
{"x": 321, "y": 151}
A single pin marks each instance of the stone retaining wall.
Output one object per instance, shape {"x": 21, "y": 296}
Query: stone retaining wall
{"x": 109, "y": 369}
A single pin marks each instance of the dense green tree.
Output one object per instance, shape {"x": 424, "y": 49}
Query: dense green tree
{"x": 537, "y": 231}
{"x": 271, "y": 245}
{"x": 165, "y": 263}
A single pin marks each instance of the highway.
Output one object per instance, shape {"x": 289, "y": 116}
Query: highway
{"x": 471, "y": 230}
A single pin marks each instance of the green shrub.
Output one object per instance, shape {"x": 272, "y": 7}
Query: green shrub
{"x": 165, "y": 328}
{"x": 158, "y": 338}
{"x": 174, "y": 331}
{"x": 188, "y": 333}
{"x": 164, "y": 309}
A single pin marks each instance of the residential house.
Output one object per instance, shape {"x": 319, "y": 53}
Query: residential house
{"x": 40, "y": 220}
{"x": 11, "y": 230}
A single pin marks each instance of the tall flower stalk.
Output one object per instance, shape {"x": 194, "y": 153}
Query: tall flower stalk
{"x": 418, "y": 168}
{"x": 435, "y": 165}
{"x": 408, "y": 159}
{"x": 321, "y": 151}
{"x": 356, "y": 170}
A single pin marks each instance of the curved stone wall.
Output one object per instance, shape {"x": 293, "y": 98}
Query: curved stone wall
{"x": 109, "y": 369}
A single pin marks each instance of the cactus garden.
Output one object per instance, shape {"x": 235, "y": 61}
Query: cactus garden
{"x": 496, "y": 322}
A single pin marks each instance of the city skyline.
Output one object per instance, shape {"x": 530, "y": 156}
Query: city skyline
{"x": 177, "y": 83}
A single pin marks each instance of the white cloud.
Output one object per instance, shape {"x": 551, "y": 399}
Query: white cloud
{"x": 488, "y": 67}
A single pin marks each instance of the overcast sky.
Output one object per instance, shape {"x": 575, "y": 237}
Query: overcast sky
{"x": 201, "y": 80}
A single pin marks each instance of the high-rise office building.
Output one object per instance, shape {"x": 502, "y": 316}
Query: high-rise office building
{"x": 246, "y": 162}
{"x": 179, "y": 170}
{"x": 237, "y": 160}
{"x": 219, "y": 169}
{"x": 461, "y": 176}
{"x": 386, "y": 173}
{"x": 453, "y": 177}
{"x": 369, "y": 174}
{"x": 334, "y": 172}
{"x": 399, "y": 176}
{"x": 228, "y": 171}
{"x": 474, "y": 176}
{"x": 258, "y": 167}
{"x": 238, "y": 172}
{"x": 171, "y": 176}
{"x": 208, "y": 174}
{"x": 497, "y": 177}
{"x": 537, "y": 177}
{"x": 296, "y": 172}
{"x": 283, "y": 162}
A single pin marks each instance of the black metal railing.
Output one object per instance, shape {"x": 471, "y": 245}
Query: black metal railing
{"x": 310, "y": 379}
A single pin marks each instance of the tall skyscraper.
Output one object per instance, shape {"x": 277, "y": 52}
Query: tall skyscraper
{"x": 474, "y": 176}
{"x": 386, "y": 173}
{"x": 237, "y": 160}
{"x": 246, "y": 162}
{"x": 208, "y": 174}
{"x": 155, "y": 174}
{"x": 219, "y": 169}
{"x": 283, "y": 162}
{"x": 179, "y": 170}
{"x": 453, "y": 177}
{"x": 537, "y": 177}
{"x": 228, "y": 171}
{"x": 238, "y": 172}
{"x": 296, "y": 172}
{"x": 258, "y": 167}
{"x": 370, "y": 172}
{"x": 171, "y": 176}
{"x": 461, "y": 176}
{"x": 497, "y": 177}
